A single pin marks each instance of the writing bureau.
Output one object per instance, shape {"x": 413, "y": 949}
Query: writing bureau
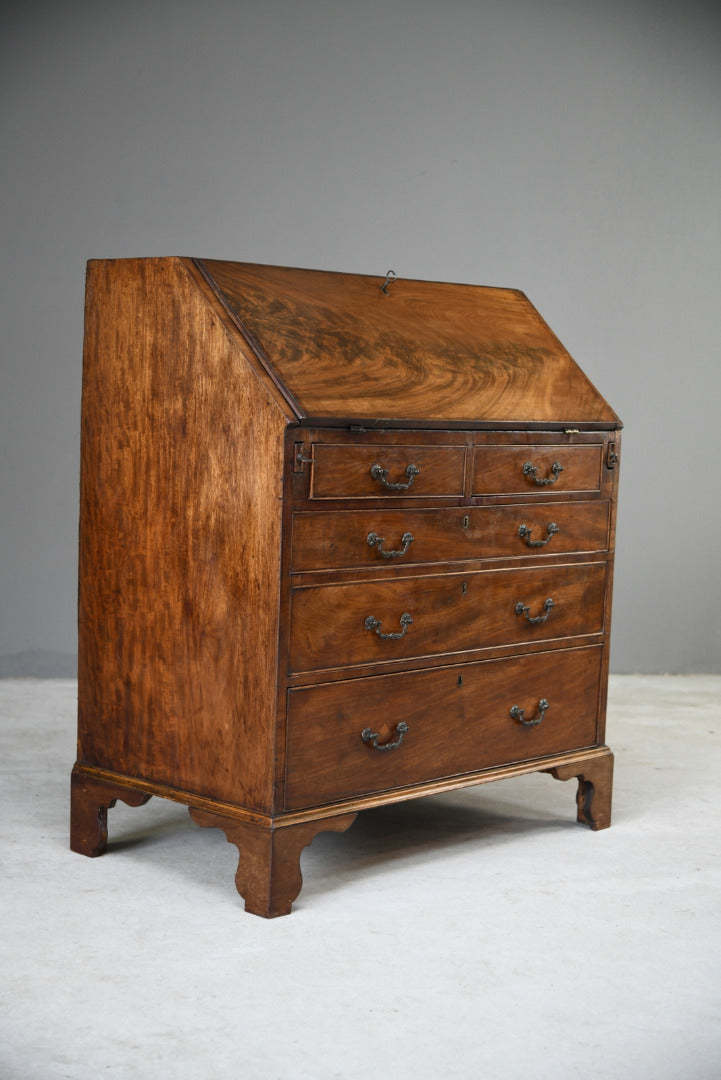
{"x": 344, "y": 540}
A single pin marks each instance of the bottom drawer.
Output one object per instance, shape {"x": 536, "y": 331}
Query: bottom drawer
{"x": 440, "y": 722}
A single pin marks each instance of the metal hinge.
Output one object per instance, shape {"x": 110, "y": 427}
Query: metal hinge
{"x": 611, "y": 456}
{"x": 300, "y": 457}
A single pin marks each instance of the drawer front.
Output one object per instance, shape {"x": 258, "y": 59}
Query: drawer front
{"x": 459, "y": 720}
{"x": 347, "y": 539}
{"x": 536, "y": 469}
{"x": 375, "y": 621}
{"x": 377, "y": 472}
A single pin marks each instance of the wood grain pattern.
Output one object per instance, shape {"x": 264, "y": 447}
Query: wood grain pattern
{"x": 612, "y": 468}
{"x": 90, "y": 800}
{"x": 453, "y": 728}
{"x": 450, "y": 613}
{"x": 345, "y": 472}
{"x": 499, "y": 470}
{"x": 268, "y": 876}
{"x": 180, "y": 540}
{"x": 344, "y": 349}
{"x": 337, "y": 540}
{"x": 233, "y": 616}
{"x": 594, "y": 792}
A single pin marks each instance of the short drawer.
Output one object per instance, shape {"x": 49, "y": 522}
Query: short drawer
{"x": 536, "y": 469}
{"x": 342, "y": 471}
{"x": 361, "y": 736}
{"x": 348, "y": 539}
{"x": 376, "y": 621}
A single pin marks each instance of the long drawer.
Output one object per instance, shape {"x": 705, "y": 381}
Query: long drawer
{"x": 539, "y": 469}
{"x": 368, "y": 735}
{"x": 379, "y": 620}
{"x": 339, "y": 539}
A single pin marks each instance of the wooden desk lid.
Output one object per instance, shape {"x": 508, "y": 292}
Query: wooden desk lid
{"x": 342, "y": 349}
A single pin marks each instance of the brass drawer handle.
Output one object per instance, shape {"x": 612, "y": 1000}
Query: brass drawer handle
{"x": 520, "y": 714}
{"x": 376, "y": 541}
{"x": 372, "y": 623}
{"x": 371, "y": 737}
{"x": 530, "y": 470}
{"x": 522, "y": 609}
{"x": 381, "y": 475}
{"x": 525, "y": 534}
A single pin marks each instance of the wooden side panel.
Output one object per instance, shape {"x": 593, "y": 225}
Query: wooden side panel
{"x": 180, "y": 536}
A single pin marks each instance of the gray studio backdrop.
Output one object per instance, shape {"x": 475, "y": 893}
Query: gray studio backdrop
{"x": 569, "y": 148}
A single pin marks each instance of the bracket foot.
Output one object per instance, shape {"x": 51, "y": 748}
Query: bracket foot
{"x": 268, "y": 876}
{"x": 595, "y": 784}
{"x": 90, "y": 800}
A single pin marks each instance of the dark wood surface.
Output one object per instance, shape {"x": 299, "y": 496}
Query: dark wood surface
{"x": 90, "y": 799}
{"x": 455, "y": 353}
{"x": 347, "y": 472}
{"x": 452, "y": 727}
{"x": 594, "y": 792}
{"x": 226, "y": 574}
{"x": 268, "y": 876}
{"x": 499, "y": 470}
{"x": 337, "y": 540}
{"x": 450, "y": 613}
{"x": 180, "y": 531}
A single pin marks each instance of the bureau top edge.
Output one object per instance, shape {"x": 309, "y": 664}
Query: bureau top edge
{"x": 380, "y": 424}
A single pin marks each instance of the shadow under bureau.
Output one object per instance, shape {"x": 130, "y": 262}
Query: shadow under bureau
{"x": 343, "y": 541}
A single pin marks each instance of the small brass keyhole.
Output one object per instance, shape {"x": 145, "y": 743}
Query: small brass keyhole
{"x": 464, "y": 587}
{"x": 460, "y": 680}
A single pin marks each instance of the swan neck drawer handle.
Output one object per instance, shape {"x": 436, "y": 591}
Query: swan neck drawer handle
{"x": 531, "y": 471}
{"x": 520, "y": 714}
{"x": 371, "y": 737}
{"x": 523, "y": 609}
{"x": 372, "y": 623}
{"x": 381, "y": 475}
{"x": 377, "y": 542}
{"x": 525, "y": 534}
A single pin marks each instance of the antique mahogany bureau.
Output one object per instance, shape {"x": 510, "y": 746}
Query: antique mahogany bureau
{"x": 344, "y": 541}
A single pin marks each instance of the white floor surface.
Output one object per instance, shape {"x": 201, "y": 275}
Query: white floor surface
{"x": 481, "y": 934}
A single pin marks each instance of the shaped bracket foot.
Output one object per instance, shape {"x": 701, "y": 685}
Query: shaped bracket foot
{"x": 595, "y": 785}
{"x": 90, "y": 800}
{"x": 268, "y": 876}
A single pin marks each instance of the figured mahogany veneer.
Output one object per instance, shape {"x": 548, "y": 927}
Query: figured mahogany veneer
{"x": 339, "y": 540}
{"x": 327, "y": 759}
{"x": 355, "y": 472}
{"x": 514, "y": 470}
{"x": 447, "y": 613}
{"x": 339, "y": 547}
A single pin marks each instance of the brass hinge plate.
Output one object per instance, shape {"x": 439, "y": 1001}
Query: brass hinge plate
{"x": 611, "y": 456}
